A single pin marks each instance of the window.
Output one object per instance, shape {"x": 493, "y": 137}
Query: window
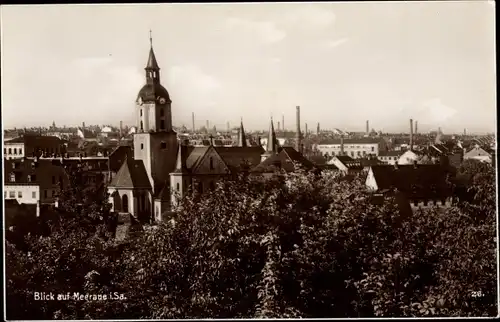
{"x": 20, "y": 151}
{"x": 10, "y": 150}
{"x": 12, "y": 177}
{"x": 45, "y": 193}
{"x": 142, "y": 127}
{"x": 178, "y": 186}
{"x": 163, "y": 145}
{"x": 15, "y": 151}
{"x": 12, "y": 194}
{"x": 162, "y": 112}
{"x": 29, "y": 178}
{"x": 19, "y": 194}
{"x": 211, "y": 163}
{"x": 33, "y": 194}
{"x": 162, "y": 124}
{"x": 142, "y": 146}
{"x": 141, "y": 111}
{"x": 373, "y": 149}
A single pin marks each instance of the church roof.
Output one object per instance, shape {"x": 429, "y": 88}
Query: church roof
{"x": 132, "y": 174}
{"x": 152, "y": 63}
{"x": 150, "y": 92}
{"x": 285, "y": 159}
{"x": 234, "y": 156}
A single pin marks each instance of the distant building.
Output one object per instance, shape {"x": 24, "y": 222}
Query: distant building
{"x": 408, "y": 157}
{"x": 420, "y": 185}
{"x": 355, "y": 148}
{"x": 346, "y": 164}
{"x": 33, "y": 145}
{"x": 478, "y": 153}
{"x": 390, "y": 157}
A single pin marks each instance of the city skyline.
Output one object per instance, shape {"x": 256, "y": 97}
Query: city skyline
{"x": 343, "y": 63}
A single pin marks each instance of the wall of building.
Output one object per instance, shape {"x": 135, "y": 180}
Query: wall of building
{"x": 354, "y": 150}
{"x": 27, "y": 194}
{"x": 13, "y": 150}
{"x": 139, "y": 202}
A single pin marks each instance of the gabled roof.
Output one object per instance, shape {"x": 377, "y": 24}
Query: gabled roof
{"x": 132, "y": 174}
{"x": 118, "y": 155}
{"x": 418, "y": 182}
{"x": 285, "y": 159}
{"x": 235, "y": 156}
{"x": 195, "y": 156}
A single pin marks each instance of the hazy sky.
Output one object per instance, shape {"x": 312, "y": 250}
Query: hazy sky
{"x": 343, "y": 63}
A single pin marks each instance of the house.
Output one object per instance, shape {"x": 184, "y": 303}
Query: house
{"x": 33, "y": 182}
{"x": 421, "y": 185}
{"x": 355, "y": 147}
{"x": 33, "y": 145}
{"x": 346, "y": 164}
{"x": 478, "y": 153}
{"x": 409, "y": 157}
{"x": 390, "y": 157}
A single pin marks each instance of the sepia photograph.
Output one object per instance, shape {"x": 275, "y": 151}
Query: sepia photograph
{"x": 249, "y": 160}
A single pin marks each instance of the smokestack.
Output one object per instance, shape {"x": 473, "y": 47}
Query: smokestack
{"x": 121, "y": 129}
{"x": 192, "y": 121}
{"x": 298, "y": 134}
{"x": 228, "y": 127}
{"x": 439, "y": 130}
{"x": 83, "y": 126}
{"x": 416, "y": 127}
{"x": 342, "y": 144}
{"x": 279, "y": 126}
{"x": 411, "y": 134}
{"x": 305, "y": 134}
{"x": 465, "y": 132}
{"x": 283, "y": 122}
{"x": 367, "y": 127}
{"x": 317, "y": 129}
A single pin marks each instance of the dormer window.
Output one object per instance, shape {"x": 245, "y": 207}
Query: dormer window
{"x": 12, "y": 177}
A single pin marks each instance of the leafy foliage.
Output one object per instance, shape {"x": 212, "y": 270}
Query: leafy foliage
{"x": 293, "y": 245}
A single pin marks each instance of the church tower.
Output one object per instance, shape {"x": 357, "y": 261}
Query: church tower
{"x": 155, "y": 142}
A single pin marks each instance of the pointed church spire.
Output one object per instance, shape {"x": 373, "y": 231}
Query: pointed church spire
{"x": 181, "y": 158}
{"x": 242, "y": 142}
{"x": 152, "y": 63}
{"x": 272, "y": 147}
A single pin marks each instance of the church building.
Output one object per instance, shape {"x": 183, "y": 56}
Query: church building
{"x": 162, "y": 169}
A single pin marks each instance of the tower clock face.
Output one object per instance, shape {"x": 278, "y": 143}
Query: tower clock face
{"x": 162, "y": 100}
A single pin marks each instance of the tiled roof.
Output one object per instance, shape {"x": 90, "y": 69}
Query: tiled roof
{"x": 195, "y": 154}
{"x": 390, "y": 153}
{"x": 132, "y": 174}
{"x": 417, "y": 182}
{"x": 235, "y": 155}
{"x": 117, "y": 157}
{"x": 285, "y": 159}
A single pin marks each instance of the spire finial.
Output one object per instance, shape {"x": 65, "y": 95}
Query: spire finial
{"x": 150, "y": 38}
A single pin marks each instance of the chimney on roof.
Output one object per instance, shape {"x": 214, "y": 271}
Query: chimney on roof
{"x": 411, "y": 134}
{"x": 298, "y": 134}
{"x": 192, "y": 121}
{"x": 367, "y": 127}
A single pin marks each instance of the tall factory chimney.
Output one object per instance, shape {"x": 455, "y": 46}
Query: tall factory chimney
{"x": 279, "y": 126}
{"x": 342, "y": 144}
{"x": 317, "y": 129}
{"x": 298, "y": 141}
{"x": 465, "y": 132}
{"x": 305, "y": 134}
{"x": 83, "y": 126}
{"x": 283, "y": 122}
{"x": 367, "y": 127}
{"x": 411, "y": 134}
{"x": 192, "y": 121}
{"x": 416, "y": 127}
{"x": 121, "y": 129}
